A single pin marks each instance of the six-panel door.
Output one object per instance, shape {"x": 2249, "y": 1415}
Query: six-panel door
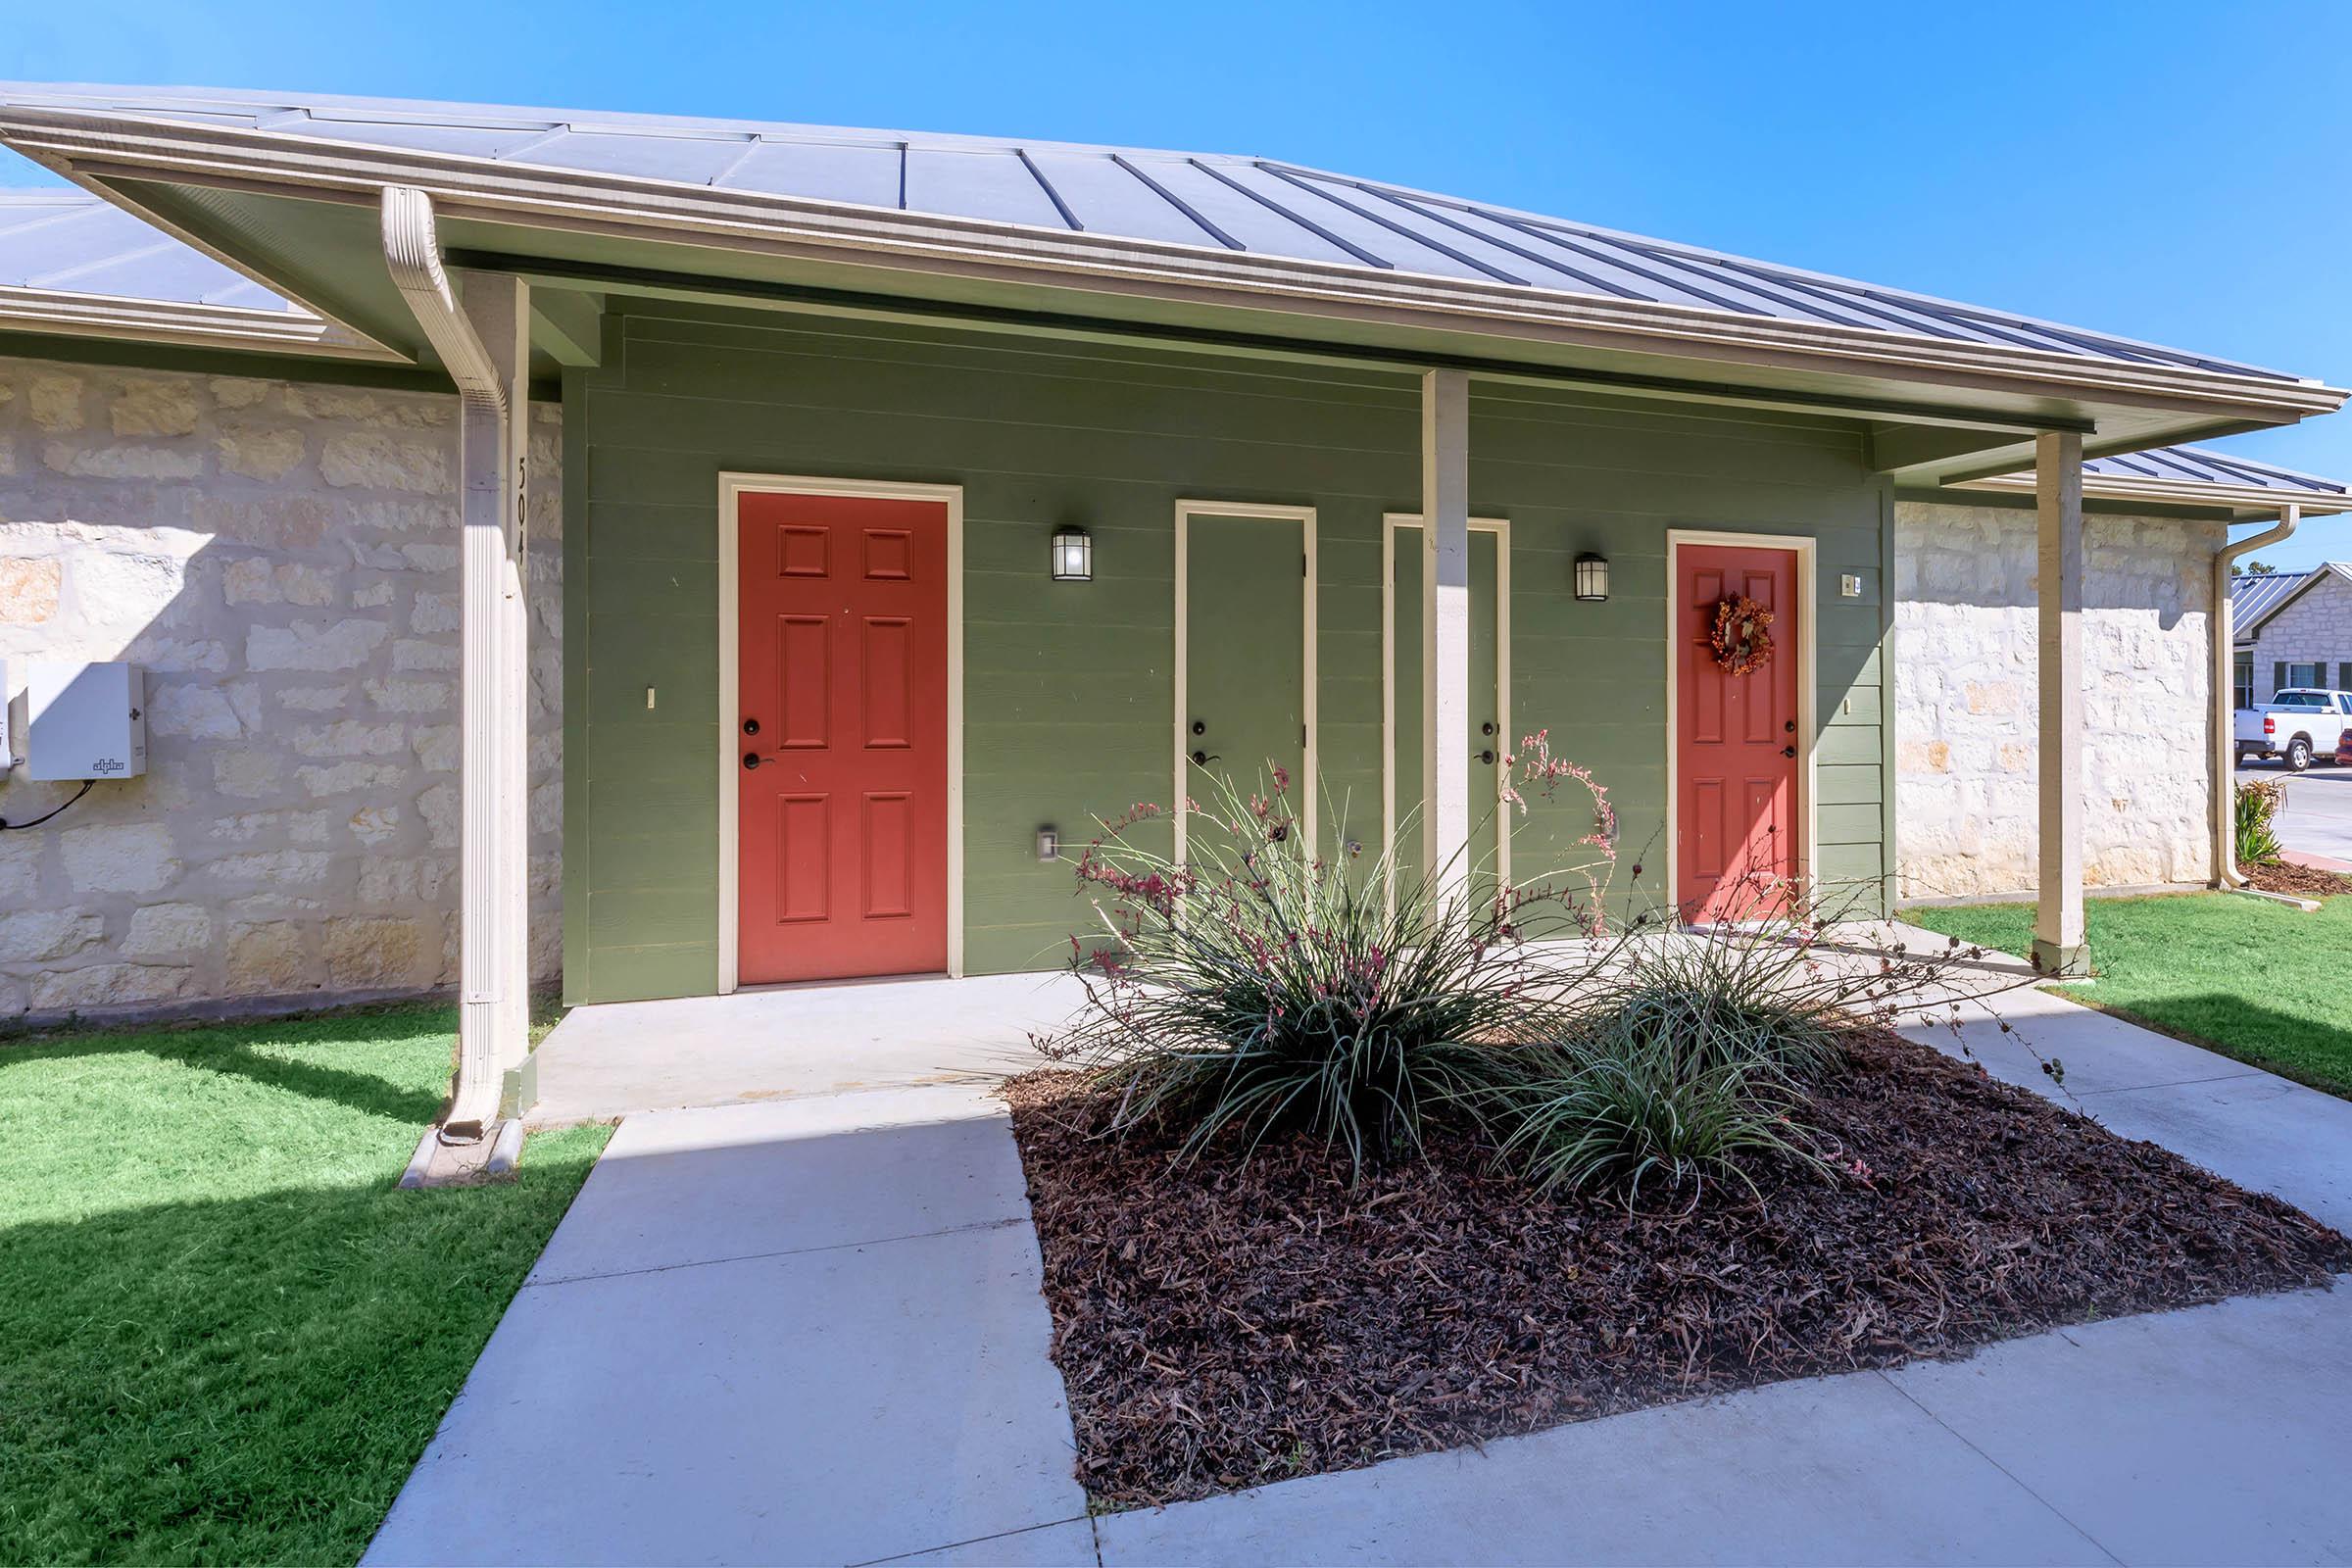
{"x": 1736, "y": 744}
{"x": 842, "y": 750}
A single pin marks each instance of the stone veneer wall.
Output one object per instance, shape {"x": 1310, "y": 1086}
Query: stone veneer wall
{"x": 1966, "y": 700}
{"x": 2316, "y": 629}
{"x": 282, "y": 559}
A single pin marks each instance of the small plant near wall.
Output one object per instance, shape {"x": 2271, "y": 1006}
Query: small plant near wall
{"x": 2258, "y": 802}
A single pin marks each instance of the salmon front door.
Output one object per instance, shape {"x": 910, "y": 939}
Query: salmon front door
{"x": 842, "y": 755}
{"x": 1738, "y": 746}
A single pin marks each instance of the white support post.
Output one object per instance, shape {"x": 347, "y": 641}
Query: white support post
{"x": 1445, "y": 636}
{"x": 494, "y": 978}
{"x": 2058, "y": 506}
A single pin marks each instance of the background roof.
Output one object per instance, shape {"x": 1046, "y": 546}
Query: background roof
{"x": 1217, "y": 201}
{"x": 2254, "y": 595}
{"x": 69, "y": 242}
{"x": 2201, "y": 464}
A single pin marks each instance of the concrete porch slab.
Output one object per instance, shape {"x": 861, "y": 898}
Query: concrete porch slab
{"x": 610, "y": 1059}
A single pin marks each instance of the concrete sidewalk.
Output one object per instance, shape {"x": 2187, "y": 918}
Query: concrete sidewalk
{"x": 804, "y": 1332}
{"x": 810, "y": 1330}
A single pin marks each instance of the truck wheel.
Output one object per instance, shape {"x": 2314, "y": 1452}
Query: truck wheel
{"x": 2298, "y": 755}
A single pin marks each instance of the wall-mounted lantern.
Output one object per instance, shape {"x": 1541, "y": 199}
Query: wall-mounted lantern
{"x": 1592, "y": 578}
{"x": 1073, "y": 555}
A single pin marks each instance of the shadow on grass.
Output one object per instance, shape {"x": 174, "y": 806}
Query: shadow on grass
{"x": 245, "y": 1050}
{"x": 2315, "y": 1051}
{"x": 251, "y": 1379}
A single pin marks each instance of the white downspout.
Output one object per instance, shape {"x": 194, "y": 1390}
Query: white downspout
{"x": 2225, "y": 705}
{"x": 412, "y": 256}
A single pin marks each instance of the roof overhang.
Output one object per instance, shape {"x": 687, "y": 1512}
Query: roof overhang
{"x": 2243, "y": 503}
{"x": 299, "y": 216}
{"x": 185, "y": 323}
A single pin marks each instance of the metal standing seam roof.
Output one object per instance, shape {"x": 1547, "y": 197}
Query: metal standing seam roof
{"x": 2199, "y": 465}
{"x": 69, "y": 242}
{"x": 2255, "y": 594}
{"x": 1254, "y": 205}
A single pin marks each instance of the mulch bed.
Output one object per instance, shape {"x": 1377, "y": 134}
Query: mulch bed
{"x": 1221, "y": 1324}
{"x": 2301, "y": 881}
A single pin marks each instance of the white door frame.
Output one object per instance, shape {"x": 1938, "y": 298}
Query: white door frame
{"x": 732, "y": 488}
{"x": 1809, "y": 681}
{"x": 1309, "y": 785}
{"x": 1500, "y": 527}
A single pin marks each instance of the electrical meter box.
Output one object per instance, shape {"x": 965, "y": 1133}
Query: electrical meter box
{"x": 84, "y": 720}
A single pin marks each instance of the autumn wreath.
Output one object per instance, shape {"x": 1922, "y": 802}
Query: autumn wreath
{"x": 1743, "y": 636}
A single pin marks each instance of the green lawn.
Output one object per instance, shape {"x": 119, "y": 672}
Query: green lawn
{"x": 2257, "y": 981}
{"x": 225, "y": 1336}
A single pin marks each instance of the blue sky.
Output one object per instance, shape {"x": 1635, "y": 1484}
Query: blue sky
{"x": 2167, "y": 170}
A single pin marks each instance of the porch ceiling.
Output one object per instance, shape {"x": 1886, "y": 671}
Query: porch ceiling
{"x": 1242, "y": 255}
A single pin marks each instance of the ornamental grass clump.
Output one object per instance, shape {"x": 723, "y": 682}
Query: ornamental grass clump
{"x": 1261, "y": 986}
{"x": 1689, "y": 1057}
{"x": 1627, "y": 1107}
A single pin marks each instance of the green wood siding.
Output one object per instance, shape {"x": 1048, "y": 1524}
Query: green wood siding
{"x": 1068, "y": 686}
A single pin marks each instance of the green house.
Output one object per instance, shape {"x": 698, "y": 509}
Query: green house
{"x": 927, "y": 499}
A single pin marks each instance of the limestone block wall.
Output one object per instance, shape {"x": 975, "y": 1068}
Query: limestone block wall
{"x": 2316, "y": 629}
{"x": 282, "y": 559}
{"x": 1966, "y": 702}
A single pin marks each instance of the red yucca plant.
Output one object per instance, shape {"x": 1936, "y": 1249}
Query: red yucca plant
{"x": 1262, "y": 985}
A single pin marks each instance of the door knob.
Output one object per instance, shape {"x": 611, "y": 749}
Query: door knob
{"x": 751, "y": 759}
{"x": 1199, "y": 758}
{"x": 1788, "y": 750}
{"x": 751, "y": 726}
{"x": 1487, "y": 757}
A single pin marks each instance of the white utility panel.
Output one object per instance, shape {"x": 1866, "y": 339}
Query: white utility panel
{"x": 84, "y": 720}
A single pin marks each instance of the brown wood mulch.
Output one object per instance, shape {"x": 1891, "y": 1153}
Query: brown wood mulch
{"x": 1221, "y": 1324}
{"x": 2299, "y": 881}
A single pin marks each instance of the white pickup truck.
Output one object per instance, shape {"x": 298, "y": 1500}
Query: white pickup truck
{"x": 2298, "y": 724}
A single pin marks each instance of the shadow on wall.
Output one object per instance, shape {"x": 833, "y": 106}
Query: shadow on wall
{"x": 1984, "y": 557}
{"x": 281, "y": 559}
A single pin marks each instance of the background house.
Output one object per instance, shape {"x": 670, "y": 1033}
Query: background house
{"x": 2294, "y": 628}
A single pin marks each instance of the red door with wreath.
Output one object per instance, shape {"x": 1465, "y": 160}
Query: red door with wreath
{"x": 1736, "y": 744}
{"x": 843, "y": 773}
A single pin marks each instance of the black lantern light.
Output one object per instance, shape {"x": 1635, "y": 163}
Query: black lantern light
{"x": 1592, "y": 578}
{"x": 1073, "y": 555}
